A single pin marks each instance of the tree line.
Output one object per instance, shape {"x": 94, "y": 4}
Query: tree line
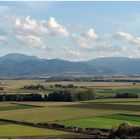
{"x": 127, "y": 95}
{"x": 65, "y": 95}
{"x": 34, "y": 87}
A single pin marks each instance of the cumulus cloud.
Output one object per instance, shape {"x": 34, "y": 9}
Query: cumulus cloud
{"x": 56, "y": 29}
{"x": 33, "y": 32}
{"x": 89, "y": 40}
{"x": 41, "y": 27}
{"x": 127, "y": 37}
{"x": 91, "y": 34}
{"x": 31, "y": 26}
{"x": 31, "y": 40}
{"x": 92, "y": 45}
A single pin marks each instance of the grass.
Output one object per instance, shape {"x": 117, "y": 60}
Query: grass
{"x": 16, "y": 106}
{"x": 49, "y": 104}
{"x": 126, "y": 101}
{"x": 52, "y": 114}
{"x": 102, "y": 122}
{"x": 10, "y": 130}
{"x": 6, "y": 104}
{"x": 125, "y": 117}
{"x": 112, "y": 92}
{"x": 116, "y": 100}
{"x": 108, "y": 106}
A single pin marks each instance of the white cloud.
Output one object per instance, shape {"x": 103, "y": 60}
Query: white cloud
{"x": 41, "y": 27}
{"x": 89, "y": 40}
{"x": 34, "y": 32}
{"x": 17, "y": 23}
{"x": 92, "y": 45}
{"x": 56, "y": 29}
{"x": 128, "y": 37}
{"x": 31, "y": 40}
{"x": 91, "y": 34}
{"x": 2, "y": 39}
{"x": 31, "y": 26}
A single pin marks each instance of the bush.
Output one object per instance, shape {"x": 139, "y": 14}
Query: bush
{"x": 1, "y": 88}
{"x": 65, "y": 86}
{"x": 125, "y": 131}
{"x": 34, "y": 87}
{"x": 126, "y": 95}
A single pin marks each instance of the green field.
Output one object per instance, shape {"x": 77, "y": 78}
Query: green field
{"x": 102, "y": 121}
{"x": 16, "y": 106}
{"x": 126, "y": 117}
{"x": 112, "y": 92}
{"x": 13, "y": 130}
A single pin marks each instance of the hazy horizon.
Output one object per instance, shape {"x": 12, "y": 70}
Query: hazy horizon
{"x": 74, "y": 31}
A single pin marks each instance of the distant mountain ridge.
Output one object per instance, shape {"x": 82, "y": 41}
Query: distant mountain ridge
{"x": 117, "y": 65}
{"x": 18, "y": 57}
{"x": 22, "y": 65}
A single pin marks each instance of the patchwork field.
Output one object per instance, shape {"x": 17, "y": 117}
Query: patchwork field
{"x": 55, "y": 111}
{"x": 98, "y": 113}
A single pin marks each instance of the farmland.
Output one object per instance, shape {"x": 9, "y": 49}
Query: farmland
{"x": 14, "y": 86}
{"x": 103, "y": 112}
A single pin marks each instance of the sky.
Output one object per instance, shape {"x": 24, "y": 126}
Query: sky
{"x": 74, "y": 31}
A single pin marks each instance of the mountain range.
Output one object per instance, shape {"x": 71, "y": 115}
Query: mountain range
{"x": 16, "y": 64}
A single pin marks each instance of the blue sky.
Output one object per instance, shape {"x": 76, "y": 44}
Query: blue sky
{"x": 70, "y": 30}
